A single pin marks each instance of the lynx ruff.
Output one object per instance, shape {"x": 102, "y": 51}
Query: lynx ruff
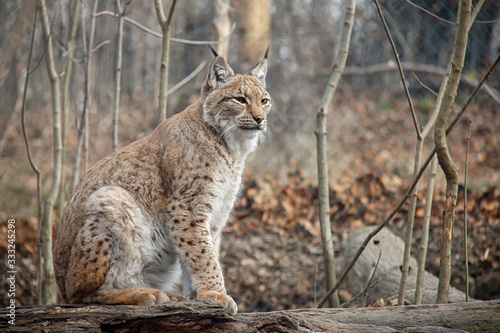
{"x": 145, "y": 218}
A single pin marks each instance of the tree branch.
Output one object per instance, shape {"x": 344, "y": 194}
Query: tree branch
{"x": 157, "y": 34}
{"x": 430, "y": 13}
{"x": 416, "y": 67}
{"x": 34, "y": 167}
{"x": 400, "y": 68}
{"x": 187, "y": 78}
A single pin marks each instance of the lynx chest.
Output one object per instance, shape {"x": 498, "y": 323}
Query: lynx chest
{"x": 226, "y": 189}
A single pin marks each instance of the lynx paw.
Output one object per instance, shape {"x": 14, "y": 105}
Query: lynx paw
{"x": 150, "y": 297}
{"x": 218, "y": 298}
{"x": 128, "y": 296}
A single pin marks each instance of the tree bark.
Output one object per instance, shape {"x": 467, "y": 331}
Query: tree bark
{"x": 321, "y": 131}
{"x": 86, "y": 101}
{"x": 165, "y": 23}
{"x": 222, "y": 23}
{"x": 118, "y": 71}
{"x": 200, "y": 317}
{"x": 424, "y": 242}
{"x": 442, "y": 151}
{"x": 68, "y": 73}
{"x": 49, "y": 289}
{"x": 254, "y": 25}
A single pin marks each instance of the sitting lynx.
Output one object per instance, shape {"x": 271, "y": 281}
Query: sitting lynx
{"x": 145, "y": 218}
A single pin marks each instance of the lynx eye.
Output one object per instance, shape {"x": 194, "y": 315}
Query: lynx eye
{"x": 265, "y": 101}
{"x": 240, "y": 99}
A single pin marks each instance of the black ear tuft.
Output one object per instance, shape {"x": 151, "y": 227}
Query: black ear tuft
{"x": 260, "y": 71}
{"x": 219, "y": 73}
{"x": 267, "y": 52}
{"x": 213, "y": 51}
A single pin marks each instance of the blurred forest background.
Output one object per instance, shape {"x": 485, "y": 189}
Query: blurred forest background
{"x": 371, "y": 140}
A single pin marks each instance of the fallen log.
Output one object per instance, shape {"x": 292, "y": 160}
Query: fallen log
{"x": 199, "y": 317}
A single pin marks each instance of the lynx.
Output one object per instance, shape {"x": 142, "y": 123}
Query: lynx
{"x": 144, "y": 219}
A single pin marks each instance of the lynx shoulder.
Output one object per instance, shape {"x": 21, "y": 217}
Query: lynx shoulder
{"x": 144, "y": 219}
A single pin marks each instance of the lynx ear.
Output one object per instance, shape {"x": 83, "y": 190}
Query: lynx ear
{"x": 260, "y": 71}
{"x": 219, "y": 73}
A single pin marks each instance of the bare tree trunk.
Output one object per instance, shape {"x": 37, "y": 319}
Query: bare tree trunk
{"x": 466, "y": 241}
{"x": 118, "y": 71}
{"x": 255, "y": 28}
{"x": 165, "y": 23}
{"x": 65, "y": 105}
{"x": 49, "y": 289}
{"x": 223, "y": 13}
{"x": 321, "y": 132}
{"x": 443, "y": 154}
{"x": 425, "y": 234}
{"x": 83, "y": 123}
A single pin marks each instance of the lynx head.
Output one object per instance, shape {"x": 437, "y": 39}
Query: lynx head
{"x": 236, "y": 106}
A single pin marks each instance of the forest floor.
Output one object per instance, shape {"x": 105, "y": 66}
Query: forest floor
{"x": 272, "y": 253}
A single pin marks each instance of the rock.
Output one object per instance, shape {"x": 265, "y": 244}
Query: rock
{"x": 388, "y": 272}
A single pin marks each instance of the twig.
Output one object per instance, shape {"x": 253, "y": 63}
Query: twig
{"x": 187, "y": 78}
{"x": 158, "y": 34}
{"x": 426, "y": 87}
{"x": 403, "y": 79}
{"x": 430, "y": 13}
{"x": 98, "y": 46}
{"x": 454, "y": 122}
{"x": 365, "y": 291}
{"x": 465, "y": 216}
{"x": 15, "y": 111}
{"x": 34, "y": 167}
{"x": 424, "y": 68}
{"x": 362, "y": 292}
{"x": 475, "y": 12}
{"x": 44, "y": 50}
{"x": 398, "y": 206}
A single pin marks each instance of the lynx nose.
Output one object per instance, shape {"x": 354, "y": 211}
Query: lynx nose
{"x": 258, "y": 118}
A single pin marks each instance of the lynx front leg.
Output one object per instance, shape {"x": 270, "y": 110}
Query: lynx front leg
{"x": 194, "y": 242}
